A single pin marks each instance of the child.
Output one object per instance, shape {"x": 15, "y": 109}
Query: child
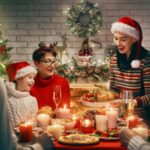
{"x": 22, "y": 104}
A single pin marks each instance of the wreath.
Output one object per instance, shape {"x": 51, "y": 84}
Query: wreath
{"x": 84, "y": 19}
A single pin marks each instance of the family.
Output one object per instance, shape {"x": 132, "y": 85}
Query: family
{"x": 30, "y": 89}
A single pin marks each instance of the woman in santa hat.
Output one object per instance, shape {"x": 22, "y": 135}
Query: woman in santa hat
{"x": 23, "y": 106}
{"x": 45, "y": 60}
{"x": 130, "y": 65}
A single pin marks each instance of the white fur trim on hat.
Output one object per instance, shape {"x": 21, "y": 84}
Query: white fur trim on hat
{"x": 126, "y": 29}
{"x": 24, "y": 71}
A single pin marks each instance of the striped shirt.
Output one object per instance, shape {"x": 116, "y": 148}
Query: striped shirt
{"x": 136, "y": 80}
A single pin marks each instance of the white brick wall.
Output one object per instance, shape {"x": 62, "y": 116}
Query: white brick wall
{"x": 26, "y": 22}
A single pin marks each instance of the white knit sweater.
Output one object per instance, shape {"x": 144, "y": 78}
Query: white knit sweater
{"x": 22, "y": 105}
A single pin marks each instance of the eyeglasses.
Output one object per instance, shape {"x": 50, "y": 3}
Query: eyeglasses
{"x": 49, "y": 62}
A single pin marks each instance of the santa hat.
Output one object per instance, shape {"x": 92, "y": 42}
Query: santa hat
{"x": 19, "y": 69}
{"x": 129, "y": 27}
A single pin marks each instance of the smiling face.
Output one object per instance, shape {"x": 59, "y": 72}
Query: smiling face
{"x": 124, "y": 43}
{"x": 25, "y": 83}
{"x": 46, "y": 66}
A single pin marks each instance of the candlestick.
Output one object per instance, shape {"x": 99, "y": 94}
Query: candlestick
{"x": 101, "y": 122}
{"x": 112, "y": 118}
{"x": 64, "y": 113}
{"x": 43, "y": 120}
{"x": 26, "y": 132}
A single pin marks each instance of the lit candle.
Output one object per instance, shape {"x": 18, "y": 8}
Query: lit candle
{"x": 64, "y": 113}
{"x": 87, "y": 125}
{"x": 112, "y": 118}
{"x": 132, "y": 121}
{"x": 26, "y": 132}
{"x": 56, "y": 130}
{"x": 43, "y": 120}
{"x": 101, "y": 122}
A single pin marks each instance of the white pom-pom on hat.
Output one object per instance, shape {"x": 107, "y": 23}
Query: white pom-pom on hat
{"x": 135, "y": 64}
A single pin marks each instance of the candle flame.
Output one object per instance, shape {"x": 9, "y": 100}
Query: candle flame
{"x": 87, "y": 122}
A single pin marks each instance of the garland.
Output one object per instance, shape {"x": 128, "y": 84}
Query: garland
{"x": 88, "y": 11}
{"x": 73, "y": 71}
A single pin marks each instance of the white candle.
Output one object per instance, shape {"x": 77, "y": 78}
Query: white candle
{"x": 141, "y": 131}
{"x": 43, "y": 120}
{"x": 64, "y": 113}
{"x": 101, "y": 122}
{"x": 56, "y": 130}
{"x": 112, "y": 118}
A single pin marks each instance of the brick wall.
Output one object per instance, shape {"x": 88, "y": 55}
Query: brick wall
{"x": 27, "y": 22}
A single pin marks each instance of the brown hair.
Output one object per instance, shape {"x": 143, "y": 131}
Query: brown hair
{"x": 42, "y": 50}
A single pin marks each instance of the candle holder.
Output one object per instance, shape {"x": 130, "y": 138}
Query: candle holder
{"x": 43, "y": 120}
{"x": 56, "y": 130}
{"x": 87, "y": 125}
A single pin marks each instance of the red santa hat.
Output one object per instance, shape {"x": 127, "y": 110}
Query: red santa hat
{"x": 129, "y": 27}
{"x": 19, "y": 69}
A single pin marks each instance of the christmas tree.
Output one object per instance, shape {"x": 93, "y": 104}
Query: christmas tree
{"x": 4, "y": 55}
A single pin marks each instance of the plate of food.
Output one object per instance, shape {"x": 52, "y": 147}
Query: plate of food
{"x": 78, "y": 139}
{"x": 109, "y": 135}
{"x": 97, "y": 98}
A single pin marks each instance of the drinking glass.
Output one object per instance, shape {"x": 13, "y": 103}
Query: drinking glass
{"x": 57, "y": 96}
{"x": 127, "y": 98}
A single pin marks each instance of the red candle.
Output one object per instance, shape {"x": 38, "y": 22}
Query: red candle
{"x": 132, "y": 121}
{"x": 26, "y": 132}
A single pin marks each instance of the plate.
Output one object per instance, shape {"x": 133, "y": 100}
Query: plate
{"x": 78, "y": 139}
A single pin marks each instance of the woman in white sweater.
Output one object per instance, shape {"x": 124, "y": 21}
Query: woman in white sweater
{"x": 22, "y": 105}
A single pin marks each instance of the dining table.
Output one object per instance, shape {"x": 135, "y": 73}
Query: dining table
{"x": 77, "y": 107}
{"x": 102, "y": 145}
